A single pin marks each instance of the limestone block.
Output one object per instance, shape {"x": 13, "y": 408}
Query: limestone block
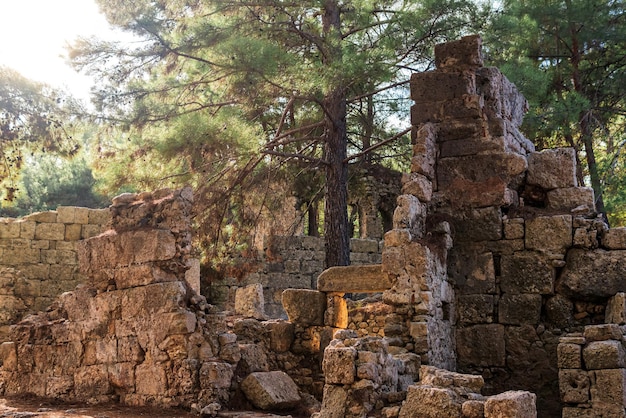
{"x": 8, "y": 356}
{"x": 604, "y": 355}
{"x": 593, "y": 273}
{"x": 551, "y": 234}
{"x": 484, "y": 168}
{"x": 478, "y": 224}
{"x": 609, "y": 387}
{"x": 473, "y": 273}
{"x": 73, "y": 232}
{"x": 434, "y": 376}
{"x": 27, "y": 229}
{"x": 576, "y": 199}
{"x": 475, "y": 309}
{"x": 448, "y": 85}
{"x": 514, "y": 228}
{"x": 57, "y": 386}
{"x": 182, "y": 322}
{"x": 353, "y": 279}
{"x": 249, "y": 301}
{"x": 473, "y": 409}
{"x": 469, "y": 106}
{"x": 417, "y": 185}
{"x": 464, "y": 53}
{"x": 9, "y": 229}
{"x": 146, "y": 301}
{"x": 527, "y": 273}
{"x": 430, "y": 402}
{"x": 50, "y": 231}
{"x": 336, "y": 314}
{"x": 99, "y": 216}
{"x": 424, "y": 150}
{"x": 616, "y": 309}
{"x": 66, "y": 214}
{"x": 410, "y": 214}
{"x": 518, "y": 309}
{"x": 271, "y": 390}
{"x": 569, "y": 356}
{"x": 304, "y": 306}
{"x": 503, "y": 101}
{"x": 122, "y": 376}
{"x": 92, "y": 381}
{"x": 614, "y": 239}
{"x": 81, "y": 215}
{"x": 47, "y": 217}
{"x": 475, "y": 144}
{"x": 339, "y": 365}
{"x": 552, "y": 168}
{"x": 602, "y": 332}
{"x": 281, "y": 335}
{"x": 481, "y": 345}
{"x": 17, "y": 256}
{"x": 89, "y": 231}
{"x": 574, "y": 386}
{"x": 358, "y": 245}
{"x": 216, "y": 375}
{"x": 253, "y": 359}
{"x": 511, "y": 404}
{"x": 334, "y": 402}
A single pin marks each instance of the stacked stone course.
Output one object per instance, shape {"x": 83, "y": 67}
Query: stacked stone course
{"x": 38, "y": 258}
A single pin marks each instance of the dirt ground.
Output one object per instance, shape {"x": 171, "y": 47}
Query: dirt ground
{"x": 37, "y": 408}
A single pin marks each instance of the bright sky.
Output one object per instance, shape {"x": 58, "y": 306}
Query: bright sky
{"x": 33, "y": 35}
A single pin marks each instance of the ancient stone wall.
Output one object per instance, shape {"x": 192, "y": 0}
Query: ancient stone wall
{"x": 38, "y": 259}
{"x": 289, "y": 262}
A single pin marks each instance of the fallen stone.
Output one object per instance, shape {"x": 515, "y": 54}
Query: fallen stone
{"x": 271, "y": 390}
{"x": 512, "y": 404}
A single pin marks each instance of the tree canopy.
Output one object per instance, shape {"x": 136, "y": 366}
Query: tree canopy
{"x": 304, "y": 82}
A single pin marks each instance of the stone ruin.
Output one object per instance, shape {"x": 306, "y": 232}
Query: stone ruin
{"x": 501, "y": 293}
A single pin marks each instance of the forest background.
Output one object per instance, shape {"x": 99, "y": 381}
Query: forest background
{"x": 254, "y": 103}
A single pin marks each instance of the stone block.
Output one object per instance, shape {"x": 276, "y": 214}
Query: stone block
{"x": 616, "y": 309}
{"x": 424, "y": 150}
{"x": 73, "y": 232}
{"x": 339, "y": 365}
{"x": 473, "y": 409}
{"x": 569, "y": 356}
{"x": 81, "y": 215}
{"x": 518, "y": 309}
{"x": 334, "y": 402}
{"x": 574, "y": 386}
{"x": 89, "y": 231}
{"x": 467, "y": 107}
{"x": 47, "y": 217}
{"x": 481, "y": 345}
{"x": 434, "y": 376}
{"x": 281, "y": 335}
{"x": 550, "y": 234}
{"x": 478, "y": 224}
{"x": 473, "y": 273}
{"x": 99, "y": 216}
{"x": 614, "y": 239}
{"x": 249, "y": 301}
{"x": 216, "y": 375}
{"x": 514, "y": 228}
{"x": 576, "y": 199}
{"x": 430, "y": 402}
{"x": 410, "y": 214}
{"x": 504, "y": 105}
{"x": 472, "y": 145}
{"x": 476, "y": 309}
{"x": 8, "y": 356}
{"x": 27, "y": 229}
{"x": 192, "y": 274}
{"x": 150, "y": 379}
{"x": 122, "y": 376}
{"x": 417, "y": 185}
{"x": 50, "y": 231}
{"x": 603, "y": 332}
{"x": 304, "y": 306}
{"x": 66, "y": 214}
{"x": 511, "y": 404}
{"x": 92, "y": 381}
{"x": 336, "y": 314}
{"x": 465, "y": 53}
{"x": 592, "y": 274}
{"x": 353, "y": 279}
{"x": 604, "y": 355}
{"x": 527, "y": 273}
{"x": 506, "y": 168}
{"x": 609, "y": 387}
{"x": 271, "y": 390}
{"x": 552, "y": 168}
{"x": 9, "y": 229}
{"x": 449, "y": 85}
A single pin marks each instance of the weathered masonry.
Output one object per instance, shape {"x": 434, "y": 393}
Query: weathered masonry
{"x": 501, "y": 293}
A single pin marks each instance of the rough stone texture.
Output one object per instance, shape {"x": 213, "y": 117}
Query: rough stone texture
{"x": 527, "y": 272}
{"x": 596, "y": 273}
{"x": 604, "y": 355}
{"x": 305, "y": 306}
{"x": 513, "y": 404}
{"x": 271, "y": 390}
{"x": 550, "y": 234}
{"x": 353, "y": 279}
{"x": 249, "y": 301}
{"x": 481, "y": 345}
{"x": 572, "y": 199}
{"x": 614, "y": 239}
{"x": 430, "y": 402}
{"x": 616, "y": 309}
{"x": 552, "y": 168}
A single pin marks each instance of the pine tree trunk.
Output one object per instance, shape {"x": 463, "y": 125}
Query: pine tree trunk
{"x": 336, "y": 144}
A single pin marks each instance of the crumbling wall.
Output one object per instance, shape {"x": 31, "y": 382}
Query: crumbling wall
{"x": 38, "y": 259}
